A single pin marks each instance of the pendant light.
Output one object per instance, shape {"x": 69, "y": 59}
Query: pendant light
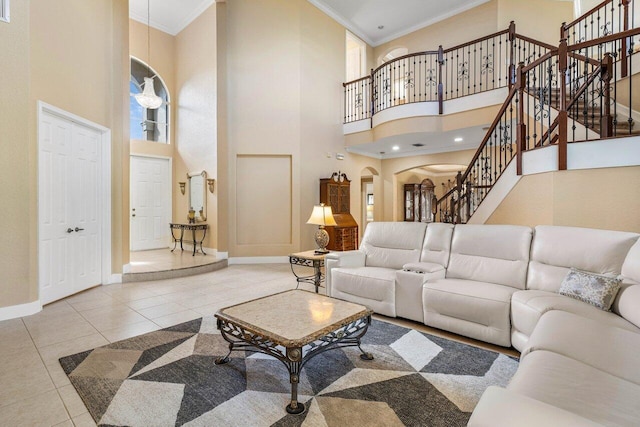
{"x": 148, "y": 98}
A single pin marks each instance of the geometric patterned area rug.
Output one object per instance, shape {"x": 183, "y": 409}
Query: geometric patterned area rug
{"x": 168, "y": 378}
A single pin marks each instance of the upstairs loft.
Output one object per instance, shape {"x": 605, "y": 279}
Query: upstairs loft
{"x": 422, "y": 101}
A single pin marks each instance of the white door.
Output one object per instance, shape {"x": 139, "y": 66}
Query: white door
{"x": 150, "y": 203}
{"x": 69, "y": 208}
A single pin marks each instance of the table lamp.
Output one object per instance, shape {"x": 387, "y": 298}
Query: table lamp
{"x": 322, "y": 216}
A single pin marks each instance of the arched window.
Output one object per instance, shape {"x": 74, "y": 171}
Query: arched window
{"x": 147, "y": 125}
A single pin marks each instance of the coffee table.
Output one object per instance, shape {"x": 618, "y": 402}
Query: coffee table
{"x": 293, "y": 326}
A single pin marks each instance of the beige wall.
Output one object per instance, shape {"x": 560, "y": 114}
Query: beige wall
{"x": 285, "y": 69}
{"x": 67, "y": 54}
{"x": 18, "y": 282}
{"x": 540, "y": 19}
{"x": 596, "y": 198}
{"x": 78, "y": 63}
{"x": 195, "y": 106}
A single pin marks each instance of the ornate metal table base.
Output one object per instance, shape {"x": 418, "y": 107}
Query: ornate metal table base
{"x": 308, "y": 259}
{"x": 294, "y": 358}
{"x": 193, "y": 228}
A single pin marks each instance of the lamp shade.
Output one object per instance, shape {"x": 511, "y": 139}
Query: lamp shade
{"x": 148, "y": 98}
{"x": 322, "y": 215}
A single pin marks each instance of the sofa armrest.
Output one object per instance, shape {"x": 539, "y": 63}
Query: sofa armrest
{"x": 341, "y": 259}
{"x": 499, "y": 407}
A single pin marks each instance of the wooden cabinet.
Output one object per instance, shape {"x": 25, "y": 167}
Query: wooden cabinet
{"x": 336, "y": 192}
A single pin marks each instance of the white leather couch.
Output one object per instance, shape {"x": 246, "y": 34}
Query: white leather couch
{"x": 580, "y": 366}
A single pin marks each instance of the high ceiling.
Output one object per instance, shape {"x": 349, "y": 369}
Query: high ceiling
{"x": 170, "y": 16}
{"x": 361, "y": 17}
{"x": 396, "y": 17}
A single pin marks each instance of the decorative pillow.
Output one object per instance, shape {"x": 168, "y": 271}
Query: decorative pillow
{"x": 594, "y": 289}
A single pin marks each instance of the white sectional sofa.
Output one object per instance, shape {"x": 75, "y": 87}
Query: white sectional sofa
{"x": 580, "y": 365}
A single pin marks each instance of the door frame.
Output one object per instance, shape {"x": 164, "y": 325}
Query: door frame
{"x": 104, "y": 187}
{"x": 170, "y": 187}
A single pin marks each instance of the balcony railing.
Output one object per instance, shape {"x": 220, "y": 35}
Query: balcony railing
{"x": 436, "y": 76}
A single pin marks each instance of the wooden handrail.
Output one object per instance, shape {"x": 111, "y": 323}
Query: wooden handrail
{"x": 356, "y": 81}
{"x": 540, "y": 60}
{"x": 534, "y": 41}
{"x": 495, "y": 122}
{"x": 481, "y": 39}
{"x": 605, "y": 39}
{"x": 408, "y": 55}
{"x": 584, "y": 15}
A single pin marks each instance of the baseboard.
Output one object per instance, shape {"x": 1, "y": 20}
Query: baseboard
{"x": 259, "y": 260}
{"x": 115, "y": 278}
{"x": 126, "y": 268}
{"x": 20, "y": 310}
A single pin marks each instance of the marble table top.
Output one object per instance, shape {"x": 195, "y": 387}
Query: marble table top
{"x": 293, "y": 318}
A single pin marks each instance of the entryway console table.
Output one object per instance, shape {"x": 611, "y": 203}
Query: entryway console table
{"x": 193, "y": 228}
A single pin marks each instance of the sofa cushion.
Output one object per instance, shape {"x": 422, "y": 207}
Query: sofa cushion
{"x": 605, "y": 347}
{"x": 490, "y": 253}
{"x": 392, "y": 244}
{"x": 437, "y": 243}
{"x": 528, "y": 306}
{"x": 595, "y": 289}
{"x": 556, "y": 249}
{"x": 474, "y": 309}
{"x": 627, "y": 304}
{"x": 506, "y": 408}
{"x": 576, "y": 387}
{"x": 371, "y": 286}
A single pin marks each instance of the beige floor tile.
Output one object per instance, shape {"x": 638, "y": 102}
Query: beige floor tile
{"x": 67, "y": 423}
{"x": 104, "y": 320}
{"x": 162, "y": 310}
{"x": 148, "y": 302}
{"x": 129, "y": 331}
{"x": 84, "y": 420}
{"x": 72, "y": 401}
{"x": 202, "y": 300}
{"x": 44, "y": 409}
{"x": 94, "y": 300}
{"x": 60, "y": 329}
{"x": 23, "y": 376}
{"x": 57, "y": 374}
{"x": 176, "y": 318}
{"x": 130, "y": 293}
{"x": 14, "y": 337}
{"x": 51, "y": 353}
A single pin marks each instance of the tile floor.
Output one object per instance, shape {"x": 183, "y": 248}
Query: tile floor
{"x": 164, "y": 259}
{"x": 34, "y": 389}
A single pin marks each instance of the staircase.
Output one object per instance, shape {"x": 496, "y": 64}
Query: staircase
{"x": 568, "y": 94}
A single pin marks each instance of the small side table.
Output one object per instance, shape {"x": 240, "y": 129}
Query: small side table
{"x": 308, "y": 259}
{"x": 193, "y": 228}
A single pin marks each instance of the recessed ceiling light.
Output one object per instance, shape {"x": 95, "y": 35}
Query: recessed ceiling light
{"x": 395, "y": 148}
{"x": 458, "y": 139}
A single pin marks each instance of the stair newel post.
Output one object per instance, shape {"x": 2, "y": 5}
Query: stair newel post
{"x": 440, "y": 86}
{"x": 562, "y": 114}
{"x": 606, "y": 73}
{"x": 521, "y": 128}
{"x": 563, "y": 31}
{"x": 624, "y": 52}
{"x": 459, "y": 201}
{"x": 512, "y": 55}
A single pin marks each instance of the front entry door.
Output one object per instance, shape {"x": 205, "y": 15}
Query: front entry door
{"x": 70, "y": 215}
{"x": 150, "y": 203}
